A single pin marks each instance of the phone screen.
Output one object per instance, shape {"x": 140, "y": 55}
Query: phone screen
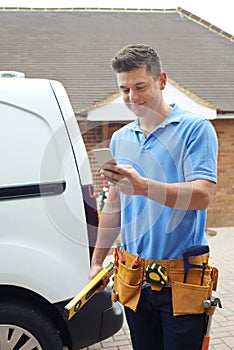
{"x": 104, "y": 156}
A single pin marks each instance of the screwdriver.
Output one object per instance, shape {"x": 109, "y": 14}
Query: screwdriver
{"x": 136, "y": 262}
{"x": 116, "y": 258}
{"x": 122, "y": 258}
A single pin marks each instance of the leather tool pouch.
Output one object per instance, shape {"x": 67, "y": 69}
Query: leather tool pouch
{"x": 128, "y": 285}
{"x": 187, "y": 298}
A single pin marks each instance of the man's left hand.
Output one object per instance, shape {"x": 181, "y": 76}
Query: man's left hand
{"x": 126, "y": 179}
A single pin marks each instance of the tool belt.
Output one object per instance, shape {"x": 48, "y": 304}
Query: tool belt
{"x": 187, "y": 298}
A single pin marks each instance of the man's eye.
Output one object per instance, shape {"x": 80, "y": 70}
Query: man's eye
{"x": 125, "y": 91}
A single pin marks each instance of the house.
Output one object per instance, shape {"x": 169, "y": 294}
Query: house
{"x": 75, "y": 46}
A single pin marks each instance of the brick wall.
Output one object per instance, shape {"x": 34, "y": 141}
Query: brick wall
{"x": 92, "y": 135}
{"x": 221, "y": 209}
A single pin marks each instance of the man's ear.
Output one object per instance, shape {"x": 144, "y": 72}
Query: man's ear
{"x": 162, "y": 80}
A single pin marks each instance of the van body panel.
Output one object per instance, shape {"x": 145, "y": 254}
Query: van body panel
{"x": 47, "y": 206}
{"x": 75, "y": 135}
{"x": 58, "y": 270}
{"x": 37, "y": 149}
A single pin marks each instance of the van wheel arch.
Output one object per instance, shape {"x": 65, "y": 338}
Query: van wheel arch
{"x": 16, "y": 295}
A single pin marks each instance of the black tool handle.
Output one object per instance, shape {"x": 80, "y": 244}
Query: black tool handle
{"x": 195, "y": 251}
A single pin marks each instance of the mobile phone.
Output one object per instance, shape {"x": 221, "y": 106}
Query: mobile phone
{"x": 104, "y": 156}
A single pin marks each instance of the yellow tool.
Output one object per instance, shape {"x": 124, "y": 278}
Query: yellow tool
{"x": 87, "y": 292}
{"x": 156, "y": 274}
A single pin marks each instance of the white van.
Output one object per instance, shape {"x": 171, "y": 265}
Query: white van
{"x": 48, "y": 222}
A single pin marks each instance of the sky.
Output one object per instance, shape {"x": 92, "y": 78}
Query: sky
{"x": 217, "y": 12}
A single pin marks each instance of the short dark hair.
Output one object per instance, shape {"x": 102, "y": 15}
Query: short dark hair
{"x": 136, "y": 56}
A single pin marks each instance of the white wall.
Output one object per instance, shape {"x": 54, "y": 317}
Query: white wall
{"x": 117, "y": 111}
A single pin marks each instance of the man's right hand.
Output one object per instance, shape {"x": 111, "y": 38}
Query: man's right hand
{"x": 94, "y": 270}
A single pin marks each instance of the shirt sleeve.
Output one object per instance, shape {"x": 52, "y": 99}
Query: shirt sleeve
{"x": 200, "y": 161}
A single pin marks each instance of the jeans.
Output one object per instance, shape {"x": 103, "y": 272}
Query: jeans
{"x": 153, "y": 326}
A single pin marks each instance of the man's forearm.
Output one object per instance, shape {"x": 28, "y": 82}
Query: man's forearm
{"x": 105, "y": 238}
{"x": 109, "y": 227}
{"x": 194, "y": 195}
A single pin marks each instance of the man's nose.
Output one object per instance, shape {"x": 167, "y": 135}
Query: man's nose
{"x": 133, "y": 96}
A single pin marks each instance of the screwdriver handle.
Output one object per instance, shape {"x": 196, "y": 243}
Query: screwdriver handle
{"x": 122, "y": 258}
{"x": 136, "y": 262}
{"x": 116, "y": 258}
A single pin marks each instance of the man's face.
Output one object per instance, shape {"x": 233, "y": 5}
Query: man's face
{"x": 141, "y": 92}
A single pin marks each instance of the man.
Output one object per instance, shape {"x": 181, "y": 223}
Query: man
{"x": 158, "y": 196}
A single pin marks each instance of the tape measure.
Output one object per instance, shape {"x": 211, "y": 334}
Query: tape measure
{"x": 156, "y": 274}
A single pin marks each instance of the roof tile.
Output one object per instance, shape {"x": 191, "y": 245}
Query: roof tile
{"x": 74, "y": 46}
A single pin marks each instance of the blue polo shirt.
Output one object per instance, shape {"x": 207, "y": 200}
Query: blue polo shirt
{"x": 182, "y": 148}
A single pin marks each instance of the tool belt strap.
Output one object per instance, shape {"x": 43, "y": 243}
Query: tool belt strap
{"x": 174, "y": 267}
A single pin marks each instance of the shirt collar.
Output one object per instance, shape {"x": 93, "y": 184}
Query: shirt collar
{"x": 174, "y": 117}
